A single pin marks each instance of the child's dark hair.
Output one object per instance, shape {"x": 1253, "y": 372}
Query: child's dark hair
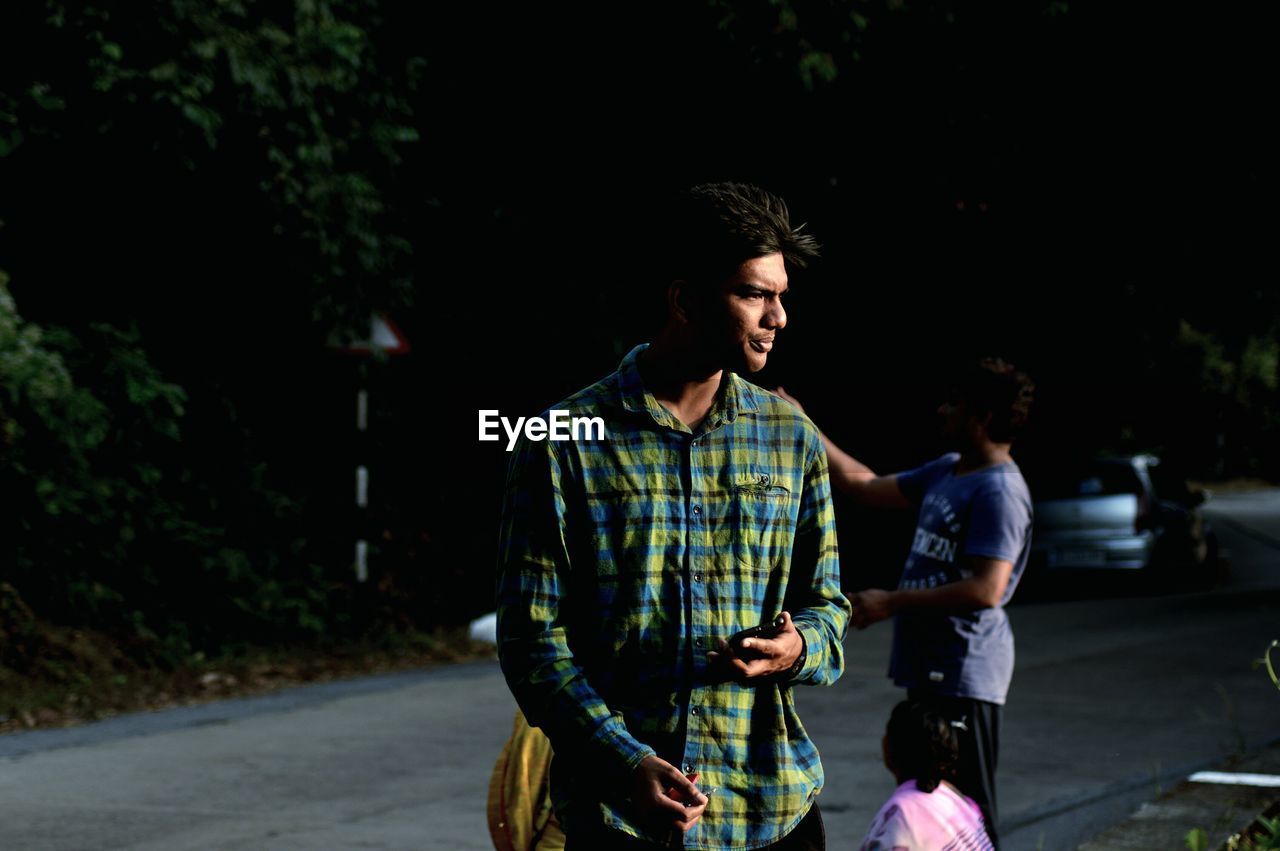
{"x": 923, "y": 744}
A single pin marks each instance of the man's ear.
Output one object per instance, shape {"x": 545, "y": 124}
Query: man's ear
{"x": 982, "y": 422}
{"x": 679, "y": 300}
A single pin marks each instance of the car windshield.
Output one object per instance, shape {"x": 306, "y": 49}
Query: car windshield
{"x": 1096, "y": 478}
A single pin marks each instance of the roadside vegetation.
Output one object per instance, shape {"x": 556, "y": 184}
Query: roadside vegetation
{"x": 205, "y": 203}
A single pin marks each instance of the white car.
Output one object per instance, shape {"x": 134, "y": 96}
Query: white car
{"x": 1106, "y": 514}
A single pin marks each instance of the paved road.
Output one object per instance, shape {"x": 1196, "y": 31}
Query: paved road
{"x": 1113, "y": 700}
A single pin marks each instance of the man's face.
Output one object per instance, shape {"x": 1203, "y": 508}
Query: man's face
{"x": 957, "y": 422}
{"x": 955, "y": 418}
{"x": 750, "y": 313}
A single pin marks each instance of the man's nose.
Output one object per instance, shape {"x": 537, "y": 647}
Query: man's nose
{"x": 776, "y": 316}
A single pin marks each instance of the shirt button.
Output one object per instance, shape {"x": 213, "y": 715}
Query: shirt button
{"x": 697, "y": 642}
{"x": 764, "y": 480}
{"x": 693, "y": 443}
{"x": 693, "y": 711}
{"x": 688, "y": 769}
{"x": 697, "y": 577}
{"x": 697, "y": 510}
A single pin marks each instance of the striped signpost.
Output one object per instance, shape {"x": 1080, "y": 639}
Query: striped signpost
{"x": 384, "y": 338}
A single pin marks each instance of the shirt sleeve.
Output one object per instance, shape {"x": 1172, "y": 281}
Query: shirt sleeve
{"x": 533, "y": 624}
{"x": 819, "y": 610}
{"x": 914, "y": 483}
{"x": 888, "y": 831}
{"x": 999, "y": 523}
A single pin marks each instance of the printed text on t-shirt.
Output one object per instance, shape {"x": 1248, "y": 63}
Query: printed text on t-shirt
{"x": 934, "y": 546}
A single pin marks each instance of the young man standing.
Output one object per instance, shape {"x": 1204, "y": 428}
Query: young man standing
{"x": 626, "y": 564}
{"x": 952, "y": 645}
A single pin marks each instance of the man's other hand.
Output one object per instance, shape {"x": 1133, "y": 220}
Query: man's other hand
{"x": 870, "y": 606}
{"x": 761, "y": 657}
{"x": 661, "y": 794}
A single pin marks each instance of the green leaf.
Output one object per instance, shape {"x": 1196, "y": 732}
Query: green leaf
{"x": 40, "y": 93}
{"x": 9, "y": 143}
{"x": 1266, "y": 660}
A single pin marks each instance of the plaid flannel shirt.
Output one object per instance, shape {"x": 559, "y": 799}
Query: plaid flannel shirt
{"x": 622, "y": 561}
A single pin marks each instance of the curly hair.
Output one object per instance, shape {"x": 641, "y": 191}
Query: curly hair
{"x": 923, "y": 744}
{"x": 716, "y": 227}
{"x": 996, "y": 387}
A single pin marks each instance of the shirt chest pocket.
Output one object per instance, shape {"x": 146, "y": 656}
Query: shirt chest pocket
{"x": 763, "y": 523}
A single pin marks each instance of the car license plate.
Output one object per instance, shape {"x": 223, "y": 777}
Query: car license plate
{"x": 1077, "y": 558}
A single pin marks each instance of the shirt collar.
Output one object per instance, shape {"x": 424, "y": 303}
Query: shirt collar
{"x": 736, "y": 396}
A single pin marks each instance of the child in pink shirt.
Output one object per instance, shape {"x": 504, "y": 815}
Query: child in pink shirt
{"x": 925, "y": 812}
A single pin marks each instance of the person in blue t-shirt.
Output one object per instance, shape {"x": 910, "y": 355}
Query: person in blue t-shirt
{"x": 952, "y": 645}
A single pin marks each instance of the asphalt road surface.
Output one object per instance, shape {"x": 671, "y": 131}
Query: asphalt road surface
{"x": 1114, "y": 698}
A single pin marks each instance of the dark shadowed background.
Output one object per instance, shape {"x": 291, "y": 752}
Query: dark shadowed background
{"x": 195, "y": 200}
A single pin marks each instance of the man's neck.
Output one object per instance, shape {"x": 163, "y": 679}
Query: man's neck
{"x": 672, "y": 374}
{"x": 983, "y": 454}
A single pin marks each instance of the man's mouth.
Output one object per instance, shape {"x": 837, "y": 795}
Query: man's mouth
{"x": 762, "y": 344}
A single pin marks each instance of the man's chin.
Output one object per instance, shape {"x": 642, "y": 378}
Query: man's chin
{"x": 749, "y": 363}
{"x": 742, "y": 361}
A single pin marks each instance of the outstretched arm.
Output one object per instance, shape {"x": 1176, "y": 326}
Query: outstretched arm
{"x": 851, "y": 476}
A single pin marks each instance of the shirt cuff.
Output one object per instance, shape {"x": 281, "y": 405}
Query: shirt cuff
{"x": 807, "y": 664}
{"x": 622, "y": 749}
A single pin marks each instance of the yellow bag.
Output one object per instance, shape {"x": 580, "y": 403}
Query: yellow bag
{"x": 519, "y": 807}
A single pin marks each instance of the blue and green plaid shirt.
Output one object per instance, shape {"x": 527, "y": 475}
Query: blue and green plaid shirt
{"x": 622, "y": 561}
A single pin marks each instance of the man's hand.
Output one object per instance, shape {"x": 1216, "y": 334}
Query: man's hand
{"x": 662, "y": 795}
{"x": 761, "y": 657}
{"x": 871, "y": 606}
